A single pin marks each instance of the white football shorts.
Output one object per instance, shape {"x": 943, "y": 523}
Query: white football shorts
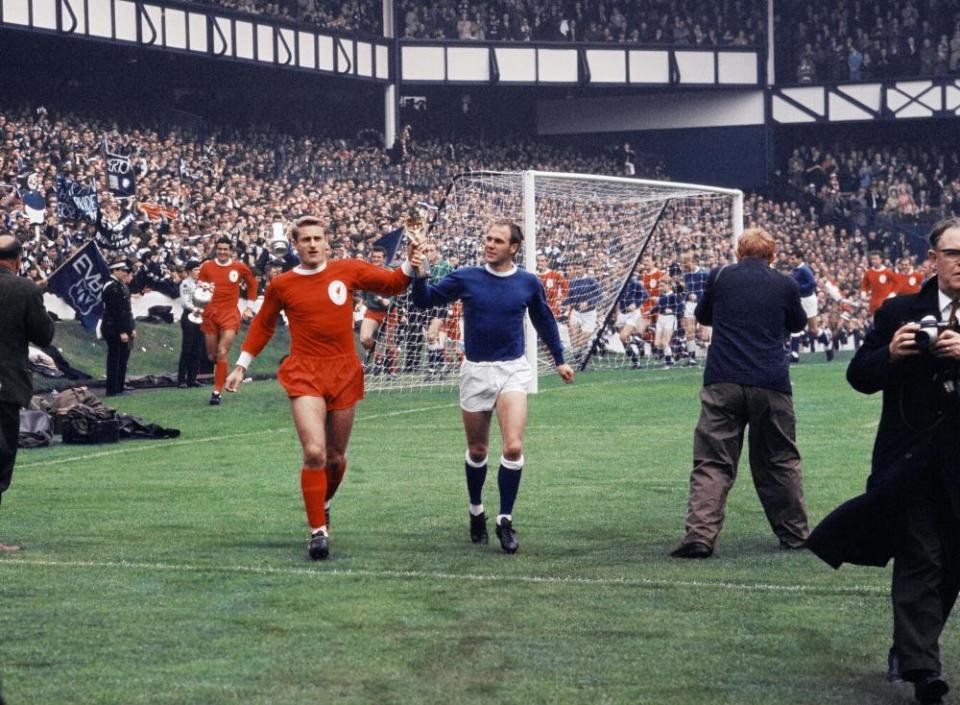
{"x": 482, "y": 382}
{"x": 666, "y": 322}
{"x": 628, "y": 318}
{"x": 585, "y": 320}
{"x": 809, "y": 304}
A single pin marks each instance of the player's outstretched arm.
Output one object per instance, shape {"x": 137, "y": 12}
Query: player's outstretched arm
{"x": 235, "y": 379}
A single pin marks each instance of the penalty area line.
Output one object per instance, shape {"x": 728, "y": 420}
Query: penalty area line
{"x": 560, "y": 580}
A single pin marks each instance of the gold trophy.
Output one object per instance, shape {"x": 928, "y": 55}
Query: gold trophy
{"x": 415, "y": 229}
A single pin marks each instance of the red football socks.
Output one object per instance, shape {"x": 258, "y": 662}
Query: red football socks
{"x": 313, "y": 484}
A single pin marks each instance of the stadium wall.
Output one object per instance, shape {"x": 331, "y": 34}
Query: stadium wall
{"x": 704, "y": 137}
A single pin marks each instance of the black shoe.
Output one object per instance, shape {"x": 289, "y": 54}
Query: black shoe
{"x": 507, "y": 536}
{"x": 784, "y": 546}
{"x": 318, "y": 546}
{"x": 694, "y": 549}
{"x": 478, "y": 529}
{"x": 893, "y": 666}
{"x": 194, "y": 384}
{"x": 214, "y": 399}
{"x": 930, "y": 690}
{"x": 182, "y": 385}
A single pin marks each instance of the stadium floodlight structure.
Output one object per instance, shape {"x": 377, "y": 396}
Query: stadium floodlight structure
{"x": 587, "y": 227}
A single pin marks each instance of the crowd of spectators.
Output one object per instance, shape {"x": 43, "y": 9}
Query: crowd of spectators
{"x": 838, "y": 204}
{"x": 821, "y": 41}
{"x": 677, "y": 22}
{"x": 674, "y": 22}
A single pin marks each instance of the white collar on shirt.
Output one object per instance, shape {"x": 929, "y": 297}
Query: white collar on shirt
{"x": 222, "y": 264}
{"x": 300, "y": 269}
{"x": 513, "y": 268}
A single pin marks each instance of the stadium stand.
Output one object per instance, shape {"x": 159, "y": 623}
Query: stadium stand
{"x": 824, "y": 41}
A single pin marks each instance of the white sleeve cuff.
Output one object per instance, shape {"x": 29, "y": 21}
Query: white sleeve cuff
{"x": 408, "y": 269}
{"x": 245, "y": 360}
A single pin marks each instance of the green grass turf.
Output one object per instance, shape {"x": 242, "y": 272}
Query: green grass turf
{"x": 175, "y": 571}
{"x": 157, "y": 351}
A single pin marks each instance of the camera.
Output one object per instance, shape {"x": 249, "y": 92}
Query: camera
{"x": 930, "y": 329}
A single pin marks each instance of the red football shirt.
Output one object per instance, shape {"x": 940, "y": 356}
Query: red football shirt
{"x": 226, "y": 282}
{"x": 319, "y": 306}
{"x": 880, "y": 284}
{"x": 909, "y": 282}
{"x": 556, "y": 286}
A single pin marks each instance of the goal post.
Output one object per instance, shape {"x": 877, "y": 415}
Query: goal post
{"x": 592, "y": 234}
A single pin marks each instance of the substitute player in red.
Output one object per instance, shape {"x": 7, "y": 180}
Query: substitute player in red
{"x": 221, "y": 317}
{"x": 879, "y": 282}
{"x": 322, "y": 375}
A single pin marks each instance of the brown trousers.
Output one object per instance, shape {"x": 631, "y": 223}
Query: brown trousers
{"x": 725, "y": 411}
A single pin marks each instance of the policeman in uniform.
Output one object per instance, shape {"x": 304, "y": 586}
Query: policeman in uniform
{"x": 117, "y": 325}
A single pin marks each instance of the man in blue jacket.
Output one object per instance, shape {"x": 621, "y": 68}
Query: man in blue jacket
{"x": 746, "y": 382}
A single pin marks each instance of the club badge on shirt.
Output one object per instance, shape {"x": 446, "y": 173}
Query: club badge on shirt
{"x": 234, "y": 276}
{"x": 338, "y": 292}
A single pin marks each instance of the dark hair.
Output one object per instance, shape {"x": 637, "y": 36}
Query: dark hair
{"x": 12, "y": 251}
{"x": 378, "y": 248}
{"x": 797, "y": 252}
{"x": 224, "y": 240}
{"x": 940, "y": 227}
{"x": 516, "y": 234}
{"x": 306, "y": 221}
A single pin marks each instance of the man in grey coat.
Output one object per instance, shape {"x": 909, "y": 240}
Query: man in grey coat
{"x": 23, "y": 320}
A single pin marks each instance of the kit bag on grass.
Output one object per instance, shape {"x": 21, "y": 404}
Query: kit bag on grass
{"x": 84, "y": 424}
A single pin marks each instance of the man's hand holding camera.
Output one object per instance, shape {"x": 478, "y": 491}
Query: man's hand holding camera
{"x": 946, "y": 345}
{"x": 914, "y": 338}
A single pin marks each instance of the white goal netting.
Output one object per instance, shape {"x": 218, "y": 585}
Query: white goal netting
{"x": 622, "y": 261}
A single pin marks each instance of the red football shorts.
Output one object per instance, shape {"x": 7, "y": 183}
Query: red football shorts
{"x": 377, "y": 316}
{"x": 216, "y": 320}
{"x": 338, "y": 380}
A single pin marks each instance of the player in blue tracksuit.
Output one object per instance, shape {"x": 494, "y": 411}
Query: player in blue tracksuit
{"x": 583, "y": 297}
{"x": 667, "y": 307}
{"x": 803, "y": 275}
{"x": 495, "y": 373}
{"x": 694, "y": 283}
{"x": 628, "y": 319}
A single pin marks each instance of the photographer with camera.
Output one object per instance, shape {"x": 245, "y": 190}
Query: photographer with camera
{"x": 911, "y": 510}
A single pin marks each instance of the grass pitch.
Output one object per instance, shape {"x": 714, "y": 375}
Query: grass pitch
{"x": 175, "y": 571}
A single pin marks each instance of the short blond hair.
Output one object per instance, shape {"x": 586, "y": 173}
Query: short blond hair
{"x": 756, "y": 242}
{"x": 306, "y": 221}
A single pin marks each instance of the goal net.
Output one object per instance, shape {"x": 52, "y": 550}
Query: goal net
{"x": 622, "y": 261}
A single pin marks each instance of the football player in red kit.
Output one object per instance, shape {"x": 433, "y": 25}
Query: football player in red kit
{"x": 221, "y": 317}
{"x": 322, "y": 374}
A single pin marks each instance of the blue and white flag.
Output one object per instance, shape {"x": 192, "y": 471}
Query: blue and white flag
{"x": 121, "y": 175}
{"x": 391, "y": 243}
{"x": 79, "y": 282}
{"x": 75, "y": 201}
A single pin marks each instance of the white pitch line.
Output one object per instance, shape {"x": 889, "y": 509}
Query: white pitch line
{"x": 650, "y": 583}
{"x": 207, "y": 439}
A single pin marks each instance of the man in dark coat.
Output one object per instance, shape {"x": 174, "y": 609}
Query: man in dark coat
{"x": 23, "y": 320}
{"x": 911, "y": 509}
{"x": 752, "y": 309}
{"x": 117, "y": 327}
